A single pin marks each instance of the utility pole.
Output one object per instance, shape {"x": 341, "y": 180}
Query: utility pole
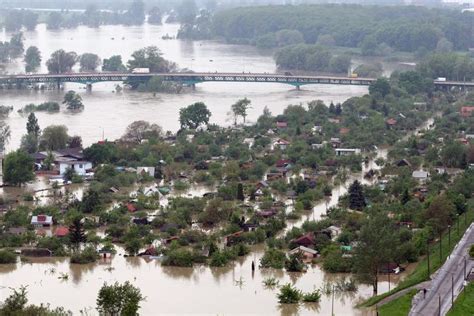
{"x": 440, "y": 248}
{"x": 449, "y": 236}
{"x": 452, "y": 290}
{"x": 428, "y": 253}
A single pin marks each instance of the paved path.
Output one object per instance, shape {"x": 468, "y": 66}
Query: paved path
{"x": 394, "y": 296}
{"x": 448, "y": 281}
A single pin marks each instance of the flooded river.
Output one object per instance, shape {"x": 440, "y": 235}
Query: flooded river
{"x": 169, "y": 290}
{"x": 110, "y": 112}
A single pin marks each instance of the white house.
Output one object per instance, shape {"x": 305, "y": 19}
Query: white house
{"x": 420, "y": 175}
{"x": 146, "y": 170}
{"x": 42, "y": 221}
{"x": 282, "y": 144}
{"x": 80, "y": 167}
{"x": 347, "y": 151}
{"x": 335, "y": 231}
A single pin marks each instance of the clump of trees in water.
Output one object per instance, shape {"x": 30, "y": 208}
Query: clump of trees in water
{"x": 114, "y": 299}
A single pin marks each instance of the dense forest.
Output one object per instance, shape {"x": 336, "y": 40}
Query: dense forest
{"x": 374, "y": 29}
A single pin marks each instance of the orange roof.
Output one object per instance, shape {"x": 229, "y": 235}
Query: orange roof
{"x": 61, "y": 231}
{"x": 344, "y": 130}
{"x": 466, "y": 111}
{"x": 391, "y": 121}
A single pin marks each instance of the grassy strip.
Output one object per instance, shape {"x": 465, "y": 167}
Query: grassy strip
{"x": 420, "y": 273}
{"x": 464, "y": 304}
{"x": 399, "y": 307}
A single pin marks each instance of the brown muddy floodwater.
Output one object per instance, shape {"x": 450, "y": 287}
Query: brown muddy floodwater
{"x": 169, "y": 290}
{"x": 233, "y": 290}
{"x": 109, "y": 113}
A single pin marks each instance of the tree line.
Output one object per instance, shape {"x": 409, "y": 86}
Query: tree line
{"x": 374, "y": 29}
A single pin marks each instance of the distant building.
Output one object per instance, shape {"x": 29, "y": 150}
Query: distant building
{"x": 420, "y": 175}
{"x": 282, "y": 144}
{"x": 146, "y": 170}
{"x": 80, "y": 167}
{"x": 466, "y": 111}
{"x": 42, "y": 221}
{"x": 347, "y": 151}
{"x": 307, "y": 253}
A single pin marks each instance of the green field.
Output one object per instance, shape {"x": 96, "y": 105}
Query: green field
{"x": 464, "y": 304}
{"x": 399, "y": 307}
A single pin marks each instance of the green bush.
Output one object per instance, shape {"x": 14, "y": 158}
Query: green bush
{"x": 88, "y": 255}
{"x": 273, "y": 258}
{"x": 312, "y": 297}
{"x": 7, "y": 257}
{"x": 289, "y": 294}
{"x": 179, "y": 257}
{"x": 471, "y": 251}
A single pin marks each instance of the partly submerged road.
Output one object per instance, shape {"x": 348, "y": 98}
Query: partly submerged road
{"x": 447, "y": 282}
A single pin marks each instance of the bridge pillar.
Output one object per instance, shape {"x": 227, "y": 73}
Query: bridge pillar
{"x": 58, "y": 84}
{"x": 193, "y": 86}
{"x": 89, "y": 87}
{"x": 298, "y": 88}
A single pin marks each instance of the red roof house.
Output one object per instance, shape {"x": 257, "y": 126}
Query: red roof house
{"x": 305, "y": 240}
{"x": 282, "y": 163}
{"x": 131, "y": 208}
{"x": 466, "y": 111}
{"x": 61, "y": 231}
{"x": 391, "y": 122}
{"x": 344, "y": 131}
{"x": 282, "y": 124}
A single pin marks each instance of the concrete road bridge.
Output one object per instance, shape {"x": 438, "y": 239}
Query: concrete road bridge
{"x": 192, "y": 79}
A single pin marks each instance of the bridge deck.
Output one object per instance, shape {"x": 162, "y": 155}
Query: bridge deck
{"x": 193, "y": 78}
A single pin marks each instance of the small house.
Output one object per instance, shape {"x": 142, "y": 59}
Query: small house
{"x": 420, "y": 175}
{"x": 249, "y": 141}
{"x": 403, "y": 163}
{"x": 282, "y": 144}
{"x": 347, "y": 151}
{"x": 305, "y": 240}
{"x": 317, "y": 129}
{"x": 391, "y": 122}
{"x": 283, "y": 163}
{"x": 150, "y": 171}
{"x": 344, "y": 131}
{"x": 335, "y": 142}
{"x": 334, "y": 231}
{"x": 280, "y": 124}
{"x": 466, "y": 111}
{"x": 232, "y": 239}
{"x": 80, "y": 167}
{"x": 131, "y": 208}
{"x": 334, "y": 120}
{"x": 318, "y": 146}
{"x": 42, "y": 221}
{"x": 61, "y": 231}
{"x": 267, "y": 213}
{"x": 308, "y": 254}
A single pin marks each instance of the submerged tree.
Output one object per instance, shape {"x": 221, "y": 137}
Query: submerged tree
{"x": 240, "y": 109}
{"x": 32, "y": 59}
{"x": 73, "y": 100}
{"x": 76, "y": 231}
{"x": 194, "y": 115}
{"x": 119, "y": 299}
{"x": 32, "y": 126}
{"x": 18, "y": 168}
{"x": 377, "y": 244}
